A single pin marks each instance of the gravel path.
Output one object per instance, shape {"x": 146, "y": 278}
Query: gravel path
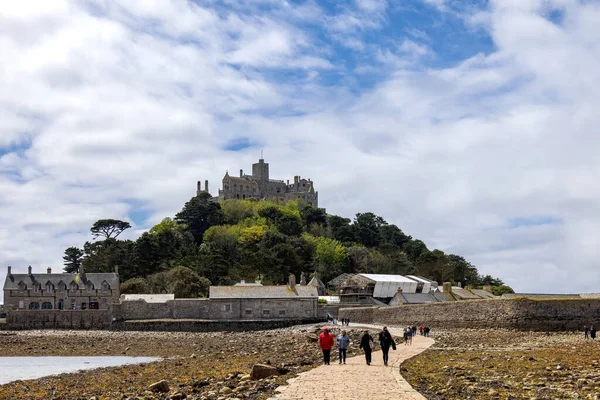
{"x": 355, "y": 379}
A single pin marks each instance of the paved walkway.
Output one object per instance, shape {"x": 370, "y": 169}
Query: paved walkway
{"x": 357, "y": 380}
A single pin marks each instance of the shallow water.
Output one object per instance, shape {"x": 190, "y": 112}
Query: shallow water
{"x": 20, "y": 368}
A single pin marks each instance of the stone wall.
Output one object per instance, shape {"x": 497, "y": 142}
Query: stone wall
{"x": 57, "y": 319}
{"x": 522, "y": 313}
{"x": 218, "y": 309}
{"x": 187, "y": 325}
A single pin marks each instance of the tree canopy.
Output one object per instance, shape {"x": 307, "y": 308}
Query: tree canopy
{"x": 224, "y": 242}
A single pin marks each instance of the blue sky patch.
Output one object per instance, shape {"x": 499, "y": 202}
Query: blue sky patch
{"x": 238, "y": 144}
{"x": 519, "y": 222}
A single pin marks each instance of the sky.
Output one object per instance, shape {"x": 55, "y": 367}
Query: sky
{"x": 472, "y": 125}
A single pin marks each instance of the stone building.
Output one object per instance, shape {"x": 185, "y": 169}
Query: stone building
{"x": 260, "y": 186}
{"x": 63, "y": 291}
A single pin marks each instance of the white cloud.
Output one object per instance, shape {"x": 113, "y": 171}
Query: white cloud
{"x": 133, "y": 101}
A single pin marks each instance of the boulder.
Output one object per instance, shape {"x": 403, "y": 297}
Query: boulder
{"x": 260, "y": 371}
{"x": 160, "y": 386}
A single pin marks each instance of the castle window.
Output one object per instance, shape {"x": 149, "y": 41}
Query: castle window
{"x": 73, "y": 304}
{"x": 46, "y": 306}
{"x": 227, "y": 307}
{"x": 281, "y": 312}
{"x": 244, "y": 197}
{"x": 84, "y": 306}
{"x": 61, "y": 304}
{"x": 238, "y": 196}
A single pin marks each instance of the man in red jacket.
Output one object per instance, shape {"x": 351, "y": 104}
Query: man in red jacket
{"x": 326, "y": 342}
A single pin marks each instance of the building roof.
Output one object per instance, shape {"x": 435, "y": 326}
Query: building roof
{"x": 387, "y": 278}
{"x": 244, "y": 283}
{"x": 421, "y": 279}
{"x": 339, "y": 280}
{"x": 464, "y": 294}
{"x": 12, "y": 281}
{"x": 261, "y": 292}
{"x": 315, "y": 281}
{"x": 148, "y": 298}
{"x": 484, "y": 294}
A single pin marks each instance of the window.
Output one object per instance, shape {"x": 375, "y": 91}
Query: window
{"x": 105, "y": 286}
{"x": 61, "y": 286}
{"x": 266, "y": 313}
{"x": 72, "y": 304}
{"x": 248, "y": 312}
{"x": 34, "y": 306}
{"x": 36, "y": 288}
{"x": 22, "y": 286}
{"x": 281, "y": 312}
{"x": 61, "y": 304}
{"x": 94, "y": 305}
{"x": 21, "y": 304}
{"x": 46, "y": 306}
{"x": 84, "y": 306}
{"x": 73, "y": 287}
{"x": 49, "y": 287}
{"x": 90, "y": 287}
{"x": 227, "y": 307}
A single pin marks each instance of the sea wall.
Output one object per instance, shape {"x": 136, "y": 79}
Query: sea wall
{"x": 520, "y": 313}
{"x": 62, "y": 319}
{"x": 186, "y": 325}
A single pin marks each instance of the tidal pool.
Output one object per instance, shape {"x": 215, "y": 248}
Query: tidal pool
{"x": 21, "y": 368}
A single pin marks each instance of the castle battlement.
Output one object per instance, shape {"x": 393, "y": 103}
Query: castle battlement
{"x": 260, "y": 186}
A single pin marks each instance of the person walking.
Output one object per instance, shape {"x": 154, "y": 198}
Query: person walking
{"x": 421, "y": 330}
{"x": 409, "y": 335}
{"x": 385, "y": 341}
{"x": 586, "y": 332}
{"x": 426, "y": 330}
{"x": 368, "y": 345}
{"x": 326, "y": 343}
{"x": 343, "y": 341}
{"x": 593, "y": 332}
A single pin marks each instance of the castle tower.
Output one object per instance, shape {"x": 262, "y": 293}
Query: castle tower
{"x": 260, "y": 170}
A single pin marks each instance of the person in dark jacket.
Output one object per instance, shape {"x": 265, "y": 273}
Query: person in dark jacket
{"x": 367, "y": 344}
{"x": 586, "y": 331}
{"x": 386, "y": 340}
{"x": 593, "y": 332}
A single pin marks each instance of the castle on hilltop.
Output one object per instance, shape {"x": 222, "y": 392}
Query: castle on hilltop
{"x": 259, "y": 186}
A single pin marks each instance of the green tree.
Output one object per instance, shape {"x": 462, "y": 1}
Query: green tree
{"x": 311, "y": 215}
{"x": 135, "y": 286}
{"x": 109, "y": 228}
{"x": 502, "y": 289}
{"x": 330, "y": 256}
{"x": 199, "y": 214}
{"x": 341, "y": 229}
{"x": 181, "y": 281}
{"x": 72, "y": 259}
{"x": 367, "y": 227}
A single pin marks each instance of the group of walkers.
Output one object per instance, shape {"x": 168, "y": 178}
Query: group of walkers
{"x": 367, "y": 344}
{"x": 590, "y": 333}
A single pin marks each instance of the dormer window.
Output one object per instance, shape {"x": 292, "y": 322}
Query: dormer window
{"x": 73, "y": 287}
{"x": 61, "y": 286}
{"x": 22, "y": 286}
{"x": 36, "y": 288}
{"x": 90, "y": 287}
{"x": 105, "y": 286}
{"x": 49, "y": 287}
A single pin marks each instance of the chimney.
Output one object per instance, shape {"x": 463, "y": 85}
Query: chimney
{"x": 288, "y": 182}
{"x": 9, "y": 270}
{"x": 292, "y": 281}
{"x": 117, "y": 269}
{"x": 49, "y": 270}
{"x": 447, "y": 287}
{"x": 206, "y": 185}
{"x": 29, "y": 270}
{"x": 241, "y": 173}
{"x": 199, "y": 186}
